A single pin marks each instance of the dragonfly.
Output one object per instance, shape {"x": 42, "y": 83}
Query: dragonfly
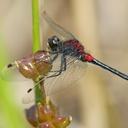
{"x": 70, "y": 47}
{"x": 61, "y": 65}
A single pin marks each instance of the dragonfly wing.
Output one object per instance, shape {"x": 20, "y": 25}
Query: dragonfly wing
{"x": 11, "y": 74}
{"x": 57, "y": 28}
{"x": 75, "y": 70}
{"x": 28, "y": 98}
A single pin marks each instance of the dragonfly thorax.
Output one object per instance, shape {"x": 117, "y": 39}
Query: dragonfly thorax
{"x": 73, "y": 48}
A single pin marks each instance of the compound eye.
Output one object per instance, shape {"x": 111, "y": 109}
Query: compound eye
{"x": 55, "y": 42}
{"x": 56, "y": 38}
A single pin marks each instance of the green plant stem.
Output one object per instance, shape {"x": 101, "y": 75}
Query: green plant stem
{"x": 36, "y": 25}
{"x": 39, "y": 97}
{"x": 10, "y": 114}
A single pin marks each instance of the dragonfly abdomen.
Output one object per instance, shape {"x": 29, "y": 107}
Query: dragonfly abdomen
{"x": 78, "y": 48}
{"x": 86, "y": 57}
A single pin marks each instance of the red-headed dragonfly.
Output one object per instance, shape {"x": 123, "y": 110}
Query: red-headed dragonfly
{"x": 60, "y": 66}
{"x": 70, "y": 47}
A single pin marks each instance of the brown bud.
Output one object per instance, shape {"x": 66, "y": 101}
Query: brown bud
{"x": 31, "y": 115}
{"x": 62, "y": 122}
{"x": 46, "y": 125}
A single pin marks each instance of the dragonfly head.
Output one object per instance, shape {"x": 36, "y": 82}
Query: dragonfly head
{"x": 54, "y": 43}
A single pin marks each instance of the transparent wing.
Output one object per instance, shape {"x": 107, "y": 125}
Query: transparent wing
{"x": 75, "y": 70}
{"x": 57, "y": 28}
{"x": 11, "y": 74}
{"x": 28, "y": 98}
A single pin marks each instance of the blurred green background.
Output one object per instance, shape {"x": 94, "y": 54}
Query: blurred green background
{"x": 100, "y": 99}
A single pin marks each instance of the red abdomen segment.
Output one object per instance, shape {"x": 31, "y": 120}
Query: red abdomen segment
{"x": 77, "y": 46}
{"x": 88, "y": 57}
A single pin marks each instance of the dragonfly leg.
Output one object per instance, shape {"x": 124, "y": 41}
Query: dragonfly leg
{"x": 64, "y": 64}
{"x": 54, "y": 58}
{"x": 37, "y": 83}
{"x": 62, "y": 67}
{"x": 53, "y": 52}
